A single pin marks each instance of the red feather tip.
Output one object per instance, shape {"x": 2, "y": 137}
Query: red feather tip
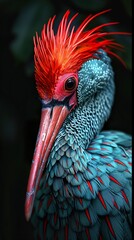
{"x": 65, "y": 51}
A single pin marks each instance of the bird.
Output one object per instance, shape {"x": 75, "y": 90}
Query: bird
{"x": 79, "y": 186}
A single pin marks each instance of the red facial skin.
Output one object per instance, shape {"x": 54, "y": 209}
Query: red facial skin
{"x": 60, "y": 92}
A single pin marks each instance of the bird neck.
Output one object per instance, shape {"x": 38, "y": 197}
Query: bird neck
{"x": 87, "y": 120}
{"x": 68, "y": 155}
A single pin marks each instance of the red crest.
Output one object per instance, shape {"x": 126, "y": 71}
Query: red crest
{"x": 65, "y": 51}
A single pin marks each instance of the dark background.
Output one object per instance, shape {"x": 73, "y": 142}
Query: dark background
{"x": 19, "y": 103}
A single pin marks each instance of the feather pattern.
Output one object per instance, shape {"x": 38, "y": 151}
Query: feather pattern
{"x": 98, "y": 204}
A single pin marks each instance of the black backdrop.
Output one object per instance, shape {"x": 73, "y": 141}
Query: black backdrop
{"x": 19, "y": 103}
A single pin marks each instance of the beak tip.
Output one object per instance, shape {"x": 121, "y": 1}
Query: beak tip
{"x": 27, "y": 214}
{"x": 28, "y": 208}
{"x": 27, "y": 217}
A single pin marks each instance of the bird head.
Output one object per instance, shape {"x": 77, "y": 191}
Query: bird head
{"x": 59, "y": 59}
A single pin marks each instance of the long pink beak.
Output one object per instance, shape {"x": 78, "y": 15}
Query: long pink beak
{"x": 51, "y": 122}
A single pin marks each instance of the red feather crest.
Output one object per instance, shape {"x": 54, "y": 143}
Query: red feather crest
{"x": 65, "y": 52}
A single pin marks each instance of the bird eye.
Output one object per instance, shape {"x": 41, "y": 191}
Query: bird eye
{"x": 70, "y": 83}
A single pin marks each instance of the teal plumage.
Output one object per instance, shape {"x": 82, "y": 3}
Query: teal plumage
{"x": 80, "y": 180}
{"x": 91, "y": 199}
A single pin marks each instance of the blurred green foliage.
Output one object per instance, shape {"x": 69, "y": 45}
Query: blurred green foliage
{"x": 32, "y": 14}
{"x": 90, "y": 5}
{"x": 30, "y": 19}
